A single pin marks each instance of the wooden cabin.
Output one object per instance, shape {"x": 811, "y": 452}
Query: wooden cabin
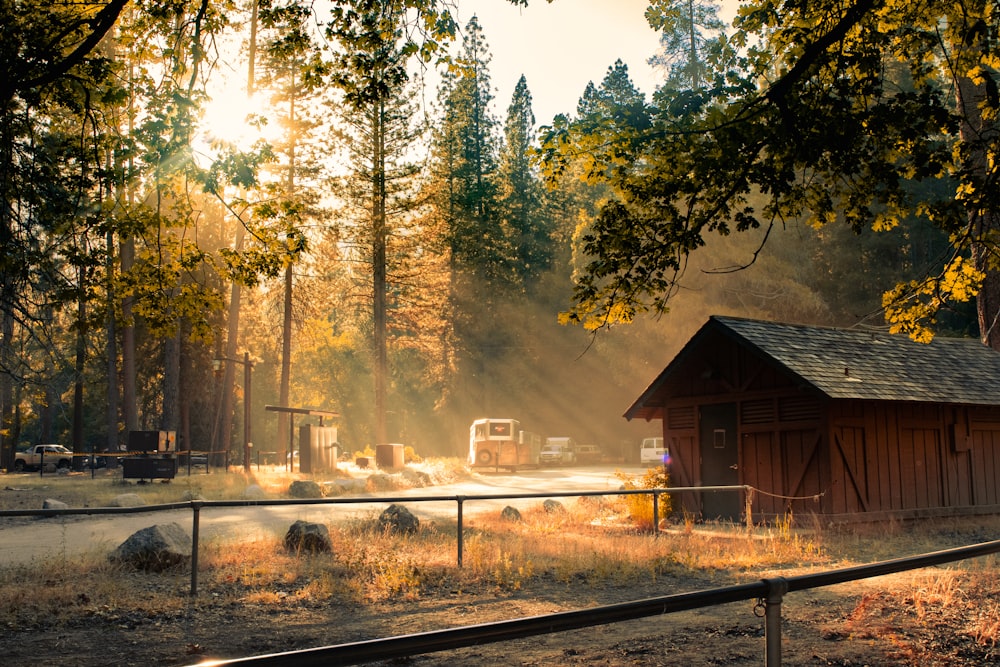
{"x": 848, "y": 424}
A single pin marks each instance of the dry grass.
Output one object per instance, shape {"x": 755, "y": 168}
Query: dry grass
{"x": 590, "y": 542}
{"x": 371, "y": 566}
{"x": 81, "y": 489}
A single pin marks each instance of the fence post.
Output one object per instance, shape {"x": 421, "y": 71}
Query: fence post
{"x": 656, "y": 514}
{"x": 776, "y": 589}
{"x": 460, "y": 500}
{"x": 195, "y": 523}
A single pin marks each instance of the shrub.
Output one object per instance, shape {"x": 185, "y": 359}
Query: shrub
{"x": 640, "y": 506}
{"x": 366, "y": 452}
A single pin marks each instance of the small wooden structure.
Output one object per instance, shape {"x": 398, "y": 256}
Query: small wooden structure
{"x": 318, "y": 445}
{"x": 848, "y": 424}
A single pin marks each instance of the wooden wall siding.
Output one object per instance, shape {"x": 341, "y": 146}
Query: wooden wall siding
{"x": 784, "y": 463}
{"x": 849, "y": 484}
{"x": 720, "y": 367}
{"x": 758, "y": 469}
{"x": 985, "y": 462}
{"x": 922, "y": 478}
{"x": 892, "y": 457}
{"x": 682, "y": 418}
{"x": 958, "y": 471}
{"x": 804, "y": 469}
{"x": 685, "y": 469}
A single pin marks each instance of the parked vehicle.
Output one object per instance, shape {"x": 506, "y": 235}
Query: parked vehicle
{"x": 38, "y": 455}
{"x": 558, "y": 451}
{"x": 92, "y": 461}
{"x": 501, "y": 443}
{"x": 654, "y": 451}
{"x": 588, "y": 454}
{"x": 194, "y": 460}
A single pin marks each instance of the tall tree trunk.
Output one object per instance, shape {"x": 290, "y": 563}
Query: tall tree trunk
{"x": 187, "y": 392}
{"x": 130, "y": 403}
{"x": 130, "y": 409}
{"x": 80, "y": 367}
{"x": 111, "y": 353}
{"x": 379, "y": 271}
{"x": 228, "y": 367}
{"x": 7, "y": 384}
{"x": 980, "y": 134}
{"x": 8, "y": 288}
{"x": 286, "y": 323}
{"x": 170, "y": 416}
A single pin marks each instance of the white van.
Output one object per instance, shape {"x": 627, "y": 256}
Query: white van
{"x": 653, "y": 451}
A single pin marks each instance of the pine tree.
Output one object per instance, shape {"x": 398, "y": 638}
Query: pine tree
{"x": 691, "y": 34}
{"x": 371, "y": 72}
{"x": 294, "y": 73}
{"x": 521, "y": 202}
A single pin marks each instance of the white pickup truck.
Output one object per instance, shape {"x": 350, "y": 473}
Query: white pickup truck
{"x": 38, "y": 455}
{"x": 558, "y": 451}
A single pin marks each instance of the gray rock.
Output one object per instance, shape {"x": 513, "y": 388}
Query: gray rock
{"x": 127, "y": 500}
{"x": 343, "y": 485}
{"x": 415, "y": 478}
{"x": 254, "y": 492}
{"x": 305, "y": 488}
{"x": 510, "y": 514}
{"x": 380, "y": 481}
{"x": 552, "y": 506}
{"x": 396, "y": 519}
{"x": 53, "y": 504}
{"x": 155, "y": 549}
{"x": 309, "y": 537}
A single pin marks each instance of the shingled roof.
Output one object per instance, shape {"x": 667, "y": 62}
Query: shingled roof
{"x": 861, "y": 364}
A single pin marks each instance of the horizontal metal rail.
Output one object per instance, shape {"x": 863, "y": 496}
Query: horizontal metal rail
{"x": 772, "y": 591}
{"x": 196, "y": 507}
{"x": 361, "y": 499}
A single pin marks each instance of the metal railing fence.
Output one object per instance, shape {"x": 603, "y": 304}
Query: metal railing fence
{"x": 196, "y": 506}
{"x": 770, "y": 592}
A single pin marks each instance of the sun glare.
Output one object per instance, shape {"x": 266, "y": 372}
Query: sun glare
{"x": 231, "y": 118}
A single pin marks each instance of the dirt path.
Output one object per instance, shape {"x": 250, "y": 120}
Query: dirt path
{"x": 27, "y": 540}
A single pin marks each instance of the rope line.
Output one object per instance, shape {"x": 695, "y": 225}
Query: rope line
{"x": 814, "y": 497}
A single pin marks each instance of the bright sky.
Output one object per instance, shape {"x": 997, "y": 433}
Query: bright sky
{"x": 563, "y": 45}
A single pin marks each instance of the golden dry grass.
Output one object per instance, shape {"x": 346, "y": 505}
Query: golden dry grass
{"x": 590, "y": 542}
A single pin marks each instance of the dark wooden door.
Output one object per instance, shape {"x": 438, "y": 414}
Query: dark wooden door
{"x": 719, "y": 461}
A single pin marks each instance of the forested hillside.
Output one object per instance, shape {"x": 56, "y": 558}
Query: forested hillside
{"x": 190, "y": 188}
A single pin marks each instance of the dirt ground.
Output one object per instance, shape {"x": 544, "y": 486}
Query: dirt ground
{"x": 870, "y": 623}
{"x": 833, "y": 627}
{"x": 908, "y": 619}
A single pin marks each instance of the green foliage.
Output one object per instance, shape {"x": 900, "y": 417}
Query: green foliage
{"x": 692, "y": 36}
{"x": 834, "y": 115}
{"x": 366, "y": 452}
{"x": 524, "y": 218}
